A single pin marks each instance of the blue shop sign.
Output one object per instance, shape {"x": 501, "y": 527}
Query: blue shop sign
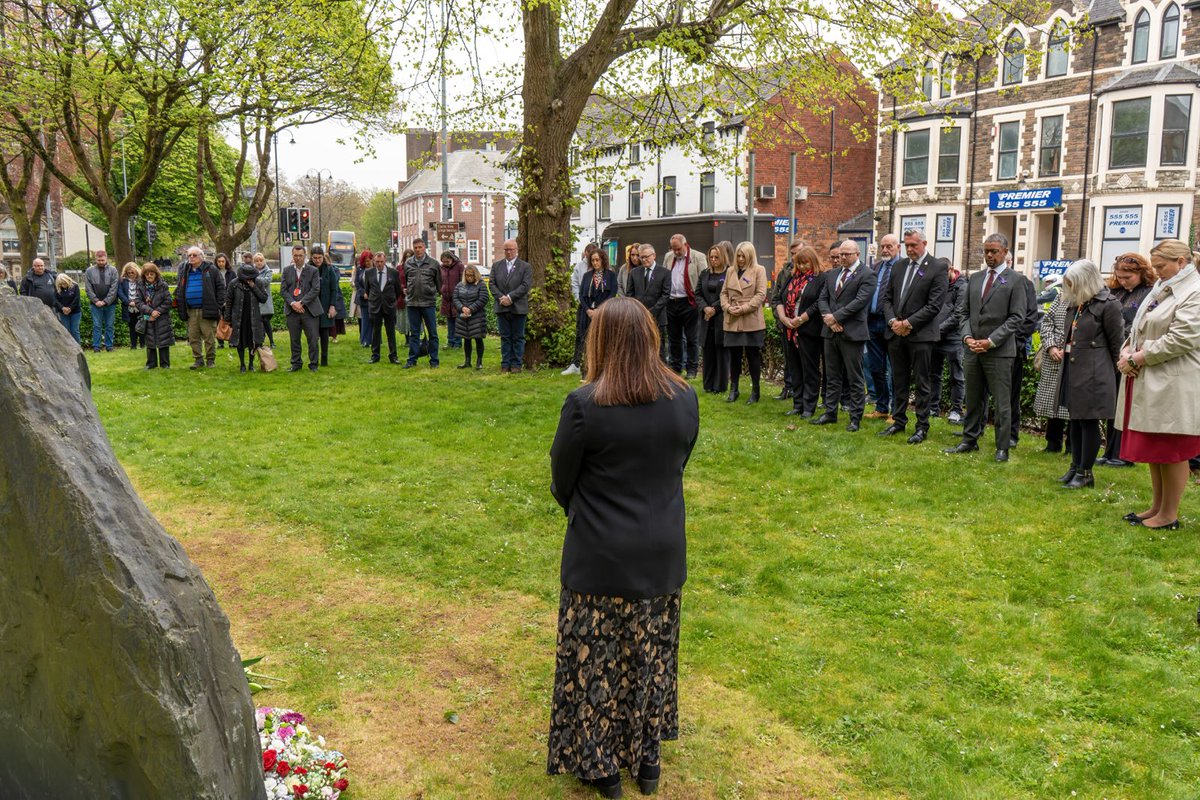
{"x": 1025, "y": 199}
{"x": 1047, "y": 268}
{"x": 782, "y": 228}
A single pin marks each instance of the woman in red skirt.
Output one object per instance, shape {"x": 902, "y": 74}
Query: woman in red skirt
{"x": 1160, "y": 365}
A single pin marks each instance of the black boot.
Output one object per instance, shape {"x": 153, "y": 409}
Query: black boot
{"x": 647, "y": 778}
{"x": 753, "y": 395}
{"x": 1069, "y": 476}
{"x": 733, "y": 393}
{"x": 1082, "y": 480}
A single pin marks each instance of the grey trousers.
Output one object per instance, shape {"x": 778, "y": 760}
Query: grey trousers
{"x": 987, "y": 375}
{"x": 844, "y": 381}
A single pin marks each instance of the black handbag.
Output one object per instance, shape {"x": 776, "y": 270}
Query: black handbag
{"x": 140, "y": 327}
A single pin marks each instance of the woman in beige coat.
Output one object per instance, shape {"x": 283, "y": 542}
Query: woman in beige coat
{"x": 1160, "y": 361}
{"x": 742, "y": 297}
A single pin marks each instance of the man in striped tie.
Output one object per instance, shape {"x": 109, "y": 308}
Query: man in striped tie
{"x": 845, "y": 297}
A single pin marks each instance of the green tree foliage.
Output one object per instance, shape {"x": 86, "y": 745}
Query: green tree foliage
{"x": 378, "y": 219}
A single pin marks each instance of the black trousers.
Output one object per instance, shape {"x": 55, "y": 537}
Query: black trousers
{"x": 581, "y": 328}
{"x": 716, "y": 359}
{"x": 157, "y": 356}
{"x": 844, "y": 382}
{"x": 662, "y": 343}
{"x": 310, "y": 326}
{"x": 384, "y": 319}
{"x": 791, "y": 379}
{"x": 266, "y": 321}
{"x": 947, "y": 353}
{"x": 325, "y": 334}
{"x": 1014, "y": 392}
{"x": 478, "y": 340}
{"x": 753, "y": 358}
{"x": 804, "y": 360}
{"x": 988, "y": 375}
{"x": 911, "y": 363}
{"x": 682, "y": 322}
{"x": 135, "y": 338}
{"x": 1085, "y": 435}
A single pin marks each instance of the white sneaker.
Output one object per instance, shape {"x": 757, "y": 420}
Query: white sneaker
{"x": 571, "y": 370}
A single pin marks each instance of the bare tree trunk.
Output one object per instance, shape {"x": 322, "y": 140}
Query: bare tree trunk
{"x": 118, "y": 234}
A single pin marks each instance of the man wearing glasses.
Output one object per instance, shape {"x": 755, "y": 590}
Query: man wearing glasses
{"x": 300, "y": 288}
{"x": 199, "y": 298}
{"x": 845, "y": 297}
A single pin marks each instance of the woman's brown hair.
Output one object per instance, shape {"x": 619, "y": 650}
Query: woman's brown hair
{"x": 1133, "y": 262}
{"x": 149, "y": 267}
{"x": 810, "y": 259}
{"x": 470, "y": 270}
{"x": 622, "y": 356}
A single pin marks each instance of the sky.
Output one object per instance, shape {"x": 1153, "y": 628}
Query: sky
{"x": 317, "y": 147}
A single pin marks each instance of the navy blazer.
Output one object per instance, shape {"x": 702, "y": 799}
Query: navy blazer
{"x": 849, "y": 306}
{"x": 589, "y": 296}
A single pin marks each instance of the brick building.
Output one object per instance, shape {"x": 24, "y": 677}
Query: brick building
{"x": 643, "y": 185}
{"x": 1071, "y": 143}
{"x": 479, "y": 197}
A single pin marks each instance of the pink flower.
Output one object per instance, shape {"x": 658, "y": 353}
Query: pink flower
{"x": 293, "y": 718}
{"x": 287, "y": 732}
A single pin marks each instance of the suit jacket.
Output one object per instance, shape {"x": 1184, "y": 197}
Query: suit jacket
{"x": 308, "y": 281}
{"x": 1000, "y": 316}
{"x": 697, "y": 263}
{"x": 1030, "y": 323}
{"x": 380, "y": 301}
{"x": 515, "y": 283}
{"x": 628, "y": 543}
{"x": 950, "y": 317}
{"x": 922, "y": 302}
{"x": 653, "y": 291}
{"x": 849, "y": 306}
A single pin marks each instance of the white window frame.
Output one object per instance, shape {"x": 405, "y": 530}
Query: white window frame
{"x": 1000, "y": 122}
{"x": 472, "y": 251}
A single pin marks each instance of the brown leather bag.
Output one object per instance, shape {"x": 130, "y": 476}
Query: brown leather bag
{"x": 224, "y": 331}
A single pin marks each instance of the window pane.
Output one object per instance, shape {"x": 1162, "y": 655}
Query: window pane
{"x": 916, "y": 144}
{"x": 1051, "y": 153}
{"x": 635, "y": 198}
{"x": 916, "y": 157}
{"x": 1130, "y": 133}
{"x": 1009, "y": 133}
{"x": 1141, "y": 38}
{"x": 947, "y": 78}
{"x": 1008, "y": 166}
{"x": 1170, "y": 33}
{"x": 1014, "y": 59}
{"x": 948, "y": 149}
{"x": 927, "y": 80}
{"x": 1178, "y": 111}
{"x": 1056, "y": 57}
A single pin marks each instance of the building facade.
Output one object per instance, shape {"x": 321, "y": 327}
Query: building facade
{"x": 1073, "y": 142}
{"x": 827, "y": 189}
{"x": 482, "y": 206}
{"x": 71, "y": 234}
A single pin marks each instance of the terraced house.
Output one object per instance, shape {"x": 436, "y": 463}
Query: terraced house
{"x": 1076, "y": 137}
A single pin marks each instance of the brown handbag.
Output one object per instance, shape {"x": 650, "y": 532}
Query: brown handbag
{"x": 224, "y": 331}
{"x": 266, "y": 359}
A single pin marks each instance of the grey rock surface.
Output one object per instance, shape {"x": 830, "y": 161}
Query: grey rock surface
{"x": 118, "y": 676}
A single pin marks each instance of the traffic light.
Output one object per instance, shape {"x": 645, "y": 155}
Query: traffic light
{"x": 305, "y": 230}
{"x": 284, "y": 228}
{"x": 293, "y": 223}
{"x": 395, "y": 240}
{"x": 151, "y": 232}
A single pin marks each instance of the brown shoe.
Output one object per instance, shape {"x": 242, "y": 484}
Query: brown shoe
{"x": 876, "y": 415}
{"x": 503, "y": 369}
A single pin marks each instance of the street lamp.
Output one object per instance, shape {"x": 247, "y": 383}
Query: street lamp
{"x": 318, "y": 175}
{"x": 278, "y": 227}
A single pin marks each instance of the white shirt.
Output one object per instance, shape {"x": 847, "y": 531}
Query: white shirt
{"x": 382, "y": 277}
{"x": 678, "y": 276}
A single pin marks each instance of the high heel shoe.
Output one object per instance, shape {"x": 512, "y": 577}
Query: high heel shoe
{"x": 733, "y": 395}
{"x": 647, "y": 778}
{"x": 1068, "y": 476}
{"x": 753, "y": 397}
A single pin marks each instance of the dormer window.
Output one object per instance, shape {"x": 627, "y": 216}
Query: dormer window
{"x": 1141, "y": 38}
{"x": 927, "y": 79}
{"x": 1014, "y": 59}
{"x": 1169, "y": 47}
{"x": 946, "y": 78}
{"x": 1057, "y": 57}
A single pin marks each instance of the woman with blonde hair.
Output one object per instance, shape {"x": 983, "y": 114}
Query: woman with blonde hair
{"x": 632, "y": 425}
{"x": 470, "y": 304}
{"x": 1160, "y": 364}
{"x": 743, "y": 296}
{"x": 130, "y": 275}
{"x": 67, "y": 305}
{"x": 1091, "y": 344}
{"x": 1131, "y": 280}
{"x": 714, "y": 362}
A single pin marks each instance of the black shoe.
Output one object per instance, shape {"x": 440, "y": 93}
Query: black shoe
{"x": 195, "y": 364}
{"x": 783, "y": 395}
{"x": 1132, "y": 518}
{"x": 647, "y": 778}
{"x": 1012, "y": 443}
{"x": 1052, "y": 449}
{"x": 607, "y": 787}
{"x": 754, "y": 396}
{"x": 295, "y": 369}
{"x": 806, "y": 415}
{"x": 465, "y": 366}
{"x": 792, "y": 412}
{"x": 374, "y": 360}
{"x": 891, "y": 430}
{"x": 917, "y": 437}
{"x": 961, "y": 447}
{"x": 1001, "y": 456}
{"x": 1082, "y": 480}
{"x": 479, "y": 365}
{"x": 312, "y": 369}
{"x": 324, "y": 362}
{"x": 408, "y": 365}
{"x": 242, "y": 370}
{"x": 1068, "y": 476}
{"x": 691, "y": 376}
{"x": 434, "y": 366}
{"x": 1118, "y": 462}
{"x": 393, "y": 360}
{"x": 733, "y": 395}
{"x": 1170, "y": 526}
{"x": 825, "y": 419}
{"x": 852, "y": 426}
{"x": 210, "y": 364}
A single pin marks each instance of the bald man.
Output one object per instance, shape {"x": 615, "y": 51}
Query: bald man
{"x": 843, "y": 305}
{"x": 878, "y": 367}
{"x": 511, "y": 280}
{"x": 685, "y": 266}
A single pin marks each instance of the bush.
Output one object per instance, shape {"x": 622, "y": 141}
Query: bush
{"x": 76, "y": 262}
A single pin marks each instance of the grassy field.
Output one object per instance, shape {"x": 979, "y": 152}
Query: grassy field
{"x": 863, "y": 618}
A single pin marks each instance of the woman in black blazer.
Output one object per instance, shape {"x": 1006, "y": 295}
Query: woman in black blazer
{"x": 598, "y": 284}
{"x": 633, "y": 426}
{"x": 796, "y": 294}
{"x": 715, "y": 358}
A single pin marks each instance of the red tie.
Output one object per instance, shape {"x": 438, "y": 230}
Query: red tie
{"x": 987, "y": 287}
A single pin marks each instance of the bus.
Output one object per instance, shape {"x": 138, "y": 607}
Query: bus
{"x": 341, "y": 248}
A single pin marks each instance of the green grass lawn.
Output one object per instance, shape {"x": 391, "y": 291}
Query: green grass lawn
{"x": 862, "y": 618}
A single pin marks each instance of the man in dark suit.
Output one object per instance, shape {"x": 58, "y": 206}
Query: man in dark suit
{"x": 995, "y": 310}
{"x": 651, "y": 285}
{"x": 911, "y": 302}
{"x": 879, "y": 378}
{"x": 510, "y": 283}
{"x": 843, "y": 307}
{"x": 300, "y": 289}
{"x": 380, "y": 288}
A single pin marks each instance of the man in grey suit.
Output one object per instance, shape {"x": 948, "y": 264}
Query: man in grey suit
{"x": 912, "y": 299}
{"x": 651, "y": 286}
{"x": 510, "y": 283}
{"x": 843, "y": 306}
{"x": 299, "y": 289}
{"x": 994, "y": 311}
{"x": 685, "y": 265}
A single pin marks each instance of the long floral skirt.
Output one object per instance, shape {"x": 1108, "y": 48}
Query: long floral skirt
{"x": 615, "y": 683}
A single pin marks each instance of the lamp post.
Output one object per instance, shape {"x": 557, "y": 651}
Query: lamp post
{"x": 318, "y": 175}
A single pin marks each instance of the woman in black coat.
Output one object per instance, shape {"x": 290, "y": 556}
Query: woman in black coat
{"x": 795, "y": 303}
{"x": 470, "y": 299}
{"x": 242, "y": 301}
{"x": 67, "y": 305}
{"x": 714, "y": 357}
{"x": 1131, "y": 280}
{"x": 152, "y": 300}
{"x": 1093, "y": 334}
{"x": 632, "y": 426}
{"x": 598, "y": 284}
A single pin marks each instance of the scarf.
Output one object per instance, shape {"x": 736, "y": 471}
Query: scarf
{"x": 1152, "y": 300}
{"x": 795, "y": 289}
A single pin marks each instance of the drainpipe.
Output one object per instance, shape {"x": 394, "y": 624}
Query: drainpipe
{"x": 892, "y": 174}
{"x": 1087, "y": 153}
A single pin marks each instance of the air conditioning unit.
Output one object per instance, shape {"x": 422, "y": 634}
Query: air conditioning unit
{"x": 766, "y": 191}
{"x": 800, "y": 193}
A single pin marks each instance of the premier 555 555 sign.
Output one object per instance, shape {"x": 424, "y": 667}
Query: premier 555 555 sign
{"x": 1025, "y": 199}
